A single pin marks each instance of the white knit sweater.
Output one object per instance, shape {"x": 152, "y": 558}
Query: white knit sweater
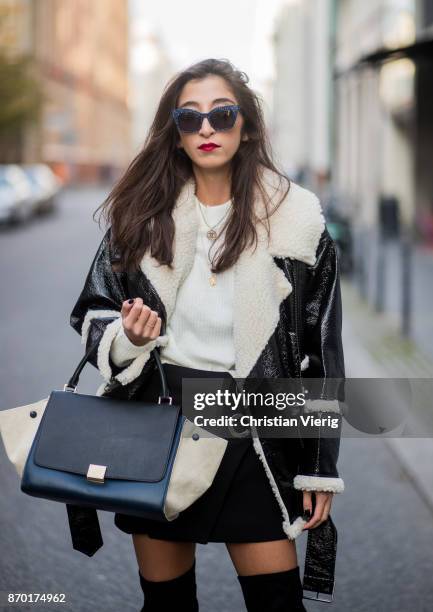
{"x": 200, "y": 331}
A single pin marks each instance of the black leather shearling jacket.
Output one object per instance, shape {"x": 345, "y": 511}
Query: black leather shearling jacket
{"x": 296, "y": 277}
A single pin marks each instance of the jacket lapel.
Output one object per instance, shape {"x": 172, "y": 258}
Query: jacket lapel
{"x": 260, "y": 286}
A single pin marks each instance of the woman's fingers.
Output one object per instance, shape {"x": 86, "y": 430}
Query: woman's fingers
{"x": 134, "y": 313}
{"x": 307, "y": 502}
{"x": 328, "y": 505}
{"x": 140, "y": 322}
{"x": 146, "y": 324}
{"x": 322, "y": 508}
{"x": 126, "y": 308}
{"x": 317, "y": 513}
{"x": 156, "y": 329}
{"x": 147, "y": 319}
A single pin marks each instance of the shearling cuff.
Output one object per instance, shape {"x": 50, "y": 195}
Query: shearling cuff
{"x": 95, "y": 314}
{"x": 122, "y": 350}
{"x": 133, "y": 370}
{"x": 318, "y": 483}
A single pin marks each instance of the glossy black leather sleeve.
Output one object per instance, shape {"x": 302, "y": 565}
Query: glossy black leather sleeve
{"x": 99, "y": 303}
{"x": 96, "y": 316}
{"x": 323, "y": 316}
{"x": 322, "y": 341}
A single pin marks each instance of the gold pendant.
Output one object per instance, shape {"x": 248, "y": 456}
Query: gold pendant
{"x": 212, "y": 280}
{"x": 211, "y": 234}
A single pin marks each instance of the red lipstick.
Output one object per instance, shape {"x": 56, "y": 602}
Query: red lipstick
{"x": 209, "y": 146}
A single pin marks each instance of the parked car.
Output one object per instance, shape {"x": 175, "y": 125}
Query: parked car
{"x": 16, "y": 197}
{"x": 45, "y": 186}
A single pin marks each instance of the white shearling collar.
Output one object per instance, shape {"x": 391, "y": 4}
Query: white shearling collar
{"x": 296, "y": 225}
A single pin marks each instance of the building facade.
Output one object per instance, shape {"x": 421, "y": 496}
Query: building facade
{"x": 81, "y": 54}
{"x": 302, "y": 97}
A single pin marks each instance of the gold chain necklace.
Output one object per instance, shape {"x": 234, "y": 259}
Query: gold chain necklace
{"x": 212, "y": 235}
{"x": 212, "y": 277}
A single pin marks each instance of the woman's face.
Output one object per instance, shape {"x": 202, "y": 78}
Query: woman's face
{"x": 204, "y": 95}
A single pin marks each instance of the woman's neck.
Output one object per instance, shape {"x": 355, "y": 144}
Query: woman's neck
{"x": 212, "y": 188}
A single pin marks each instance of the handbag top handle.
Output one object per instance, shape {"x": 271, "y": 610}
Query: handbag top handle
{"x": 164, "y": 396}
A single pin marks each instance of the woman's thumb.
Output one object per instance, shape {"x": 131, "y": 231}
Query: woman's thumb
{"x": 127, "y": 305}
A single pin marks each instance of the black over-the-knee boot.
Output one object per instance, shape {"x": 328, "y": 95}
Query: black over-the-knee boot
{"x": 274, "y": 592}
{"x": 178, "y": 594}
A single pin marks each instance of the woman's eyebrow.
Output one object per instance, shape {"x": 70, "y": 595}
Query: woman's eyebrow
{"x": 194, "y": 103}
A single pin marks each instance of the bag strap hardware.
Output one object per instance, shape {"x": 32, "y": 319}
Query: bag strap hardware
{"x": 165, "y": 399}
{"x": 69, "y": 388}
{"x": 96, "y": 473}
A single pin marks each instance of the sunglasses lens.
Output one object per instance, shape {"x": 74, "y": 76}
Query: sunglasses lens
{"x": 188, "y": 121}
{"x": 223, "y": 119}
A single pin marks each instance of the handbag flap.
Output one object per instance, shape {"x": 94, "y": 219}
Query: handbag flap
{"x": 133, "y": 439}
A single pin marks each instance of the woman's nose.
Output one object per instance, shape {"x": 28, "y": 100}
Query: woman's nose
{"x": 206, "y": 128}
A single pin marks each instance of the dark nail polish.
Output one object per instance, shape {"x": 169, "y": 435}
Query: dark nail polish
{"x": 131, "y": 301}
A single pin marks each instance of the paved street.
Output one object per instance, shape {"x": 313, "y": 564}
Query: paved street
{"x": 385, "y": 528}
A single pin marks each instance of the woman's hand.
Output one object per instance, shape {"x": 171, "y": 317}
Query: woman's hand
{"x": 323, "y": 503}
{"x": 140, "y": 323}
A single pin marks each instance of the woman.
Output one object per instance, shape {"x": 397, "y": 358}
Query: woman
{"x": 265, "y": 304}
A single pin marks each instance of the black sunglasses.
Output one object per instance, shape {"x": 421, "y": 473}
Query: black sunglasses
{"x": 221, "y": 118}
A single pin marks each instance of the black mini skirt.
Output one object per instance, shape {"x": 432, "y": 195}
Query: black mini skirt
{"x": 239, "y": 506}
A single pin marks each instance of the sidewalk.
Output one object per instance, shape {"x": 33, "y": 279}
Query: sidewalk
{"x": 374, "y": 349}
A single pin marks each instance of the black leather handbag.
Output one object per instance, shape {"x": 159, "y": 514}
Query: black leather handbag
{"x": 104, "y": 453}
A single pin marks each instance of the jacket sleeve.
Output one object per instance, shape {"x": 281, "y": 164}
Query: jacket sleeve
{"x": 96, "y": 317}
{"x": 325, "y": 363}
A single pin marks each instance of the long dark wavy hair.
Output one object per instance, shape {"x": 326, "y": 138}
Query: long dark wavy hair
{"x": 140, "y": 204}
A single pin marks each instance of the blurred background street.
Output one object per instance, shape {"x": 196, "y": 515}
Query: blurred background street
{"x": 347, "y": 92}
